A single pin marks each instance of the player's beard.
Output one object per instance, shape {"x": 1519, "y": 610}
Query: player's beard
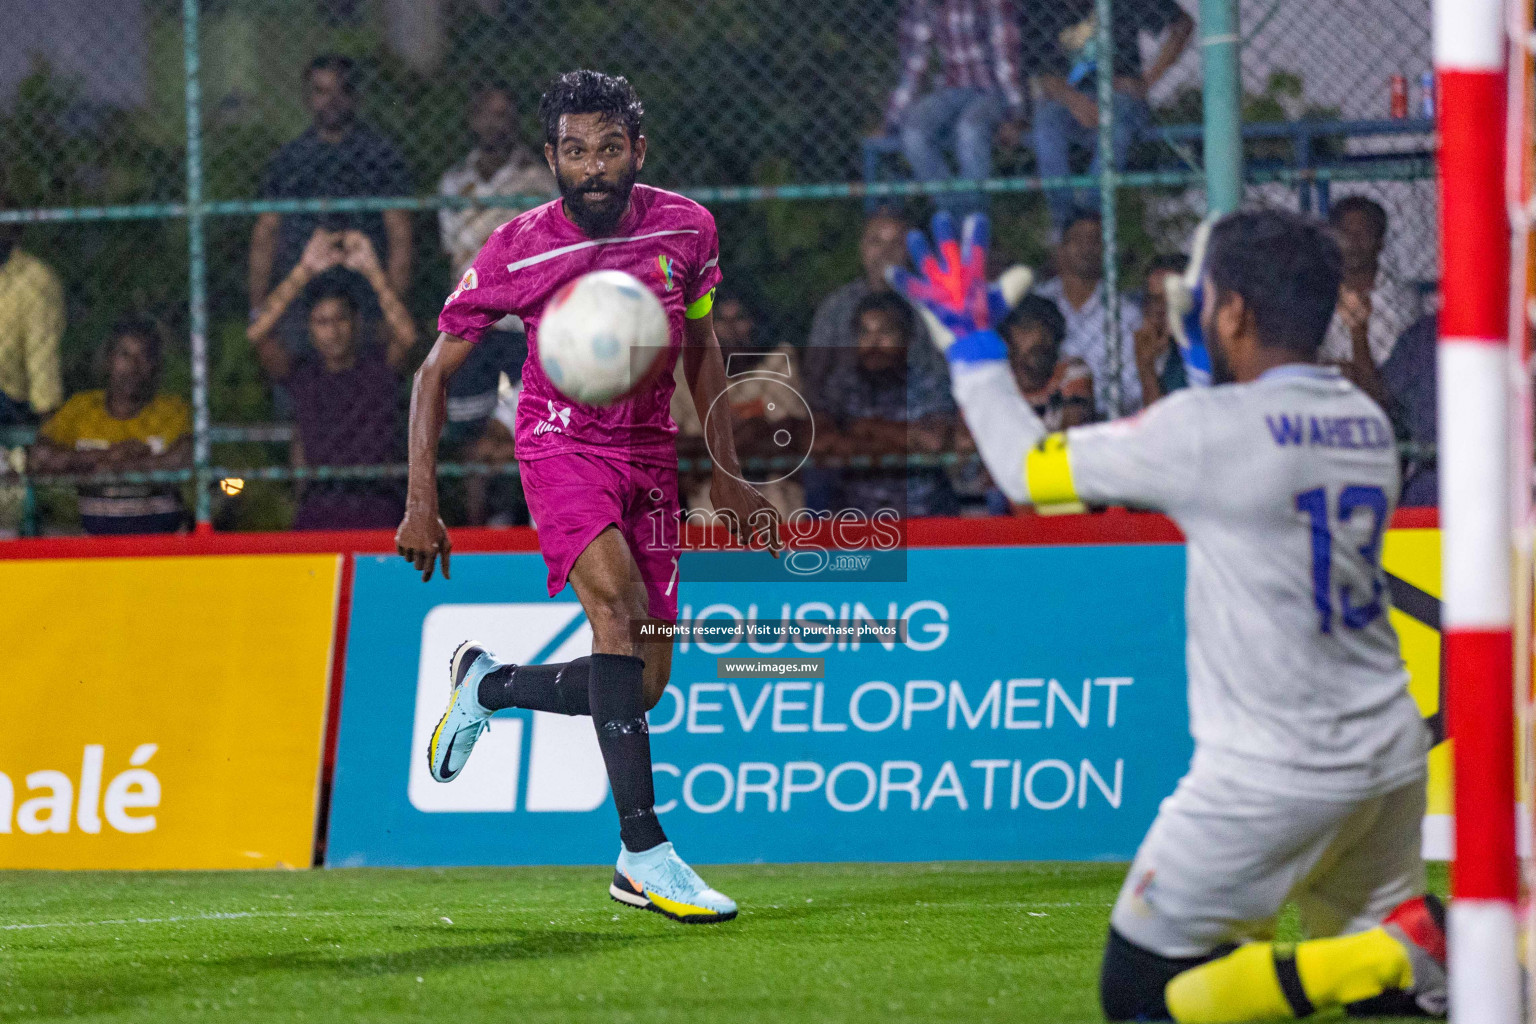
{"x": 596, "y": 220}
{"x": 1221, "y": 369}
{"x": 1221, "y": 366}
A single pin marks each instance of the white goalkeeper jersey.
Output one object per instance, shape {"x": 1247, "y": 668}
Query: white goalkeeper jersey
{"x": 1283, "y": 487}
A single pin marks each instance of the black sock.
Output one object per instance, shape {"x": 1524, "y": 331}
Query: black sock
{"x": 618, "y": 711}
{"x": 1132, "y": 978}
{"x": 559, "y": 688}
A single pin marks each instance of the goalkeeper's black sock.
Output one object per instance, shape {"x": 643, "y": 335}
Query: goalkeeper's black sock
{"x": 618, "y": 711}
{"x": 561, "y": 688}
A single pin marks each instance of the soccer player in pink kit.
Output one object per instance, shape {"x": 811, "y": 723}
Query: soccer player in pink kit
{"x": 595, "y": 478}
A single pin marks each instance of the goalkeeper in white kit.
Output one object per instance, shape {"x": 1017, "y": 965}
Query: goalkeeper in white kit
{"x": 1307, "y": 782}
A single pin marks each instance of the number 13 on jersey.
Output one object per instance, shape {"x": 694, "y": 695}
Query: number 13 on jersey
{"x": 1314, "y": 504}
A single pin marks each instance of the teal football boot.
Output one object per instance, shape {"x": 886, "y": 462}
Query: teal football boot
{"x": 659, "y": 880}
{"x": 464, "y": 721}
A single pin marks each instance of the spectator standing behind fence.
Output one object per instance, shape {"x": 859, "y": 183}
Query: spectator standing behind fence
{"x": 338, "y": 156}
{"x": 1408, "y": 381}
{"x": 874, "y": 413}
{"x": 1159, "y": 365}
{"x": 759, "y": 375}
{"x": 979, "y": 93}
{"x": 345, "y": 391}
{"x": 125, "y": 427}
{"x": 1374, "y": 307}
{"x": 1078, "y": 291}
{"x": 1067, "y": 110}
{"x": 31, "y": 325}
{"x": 496, "y": 166}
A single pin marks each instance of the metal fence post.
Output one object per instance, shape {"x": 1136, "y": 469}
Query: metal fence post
{"x": 1223, "y": 105}
{"x": 197, "y": 276}
{"x": 1105, "y": 45}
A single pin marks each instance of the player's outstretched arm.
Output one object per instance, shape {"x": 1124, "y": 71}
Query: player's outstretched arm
{"x": 422, "y": 536}
{"x": 1151, "y": 461}
{"x": 950, "y": 290}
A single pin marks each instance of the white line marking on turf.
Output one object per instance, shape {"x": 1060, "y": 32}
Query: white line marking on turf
{"x": 290, "y": 915}
{"x": 233, "y": 916}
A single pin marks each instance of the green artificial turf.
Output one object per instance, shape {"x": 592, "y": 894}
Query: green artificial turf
{"x": 886, "y": 943}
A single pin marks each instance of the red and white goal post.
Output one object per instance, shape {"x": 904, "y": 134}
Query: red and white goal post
{"x": 1482, "y": 64}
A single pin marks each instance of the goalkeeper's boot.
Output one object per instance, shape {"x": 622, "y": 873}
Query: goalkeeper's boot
{"x": 1419, "y": 925}
{"x": 659, "y": 880}
{"x": 464, "y": 721}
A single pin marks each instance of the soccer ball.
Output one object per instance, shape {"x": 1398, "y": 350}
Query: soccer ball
{"x": 601, "y": 337}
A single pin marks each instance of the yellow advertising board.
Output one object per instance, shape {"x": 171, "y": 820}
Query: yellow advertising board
{"x": 1412, "y": 561}
{"x": 163, "y": 712}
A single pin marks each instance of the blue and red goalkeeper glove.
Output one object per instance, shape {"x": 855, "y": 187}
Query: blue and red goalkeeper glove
{"x": 951, "y": 292}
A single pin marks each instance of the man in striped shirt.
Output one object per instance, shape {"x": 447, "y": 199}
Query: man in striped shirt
{"x": 1079, "y": 292}
{"x": 977, "y": 93}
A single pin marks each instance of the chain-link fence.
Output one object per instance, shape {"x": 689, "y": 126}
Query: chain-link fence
{"x": 411, "y": 124}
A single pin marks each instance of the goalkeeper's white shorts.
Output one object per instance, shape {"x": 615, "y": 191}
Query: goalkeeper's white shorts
{"x": 1223, "y": 857}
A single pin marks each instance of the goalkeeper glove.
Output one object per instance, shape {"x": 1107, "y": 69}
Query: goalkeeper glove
{"x": 1186, "y": 295}
{"x": 951, "y": 292}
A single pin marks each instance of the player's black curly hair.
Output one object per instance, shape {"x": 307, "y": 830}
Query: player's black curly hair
{"x": 590, "y": 92}
{"x": 1286, "y": 267}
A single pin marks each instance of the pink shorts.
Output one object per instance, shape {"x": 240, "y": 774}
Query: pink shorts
{"x": 574, "y": 496}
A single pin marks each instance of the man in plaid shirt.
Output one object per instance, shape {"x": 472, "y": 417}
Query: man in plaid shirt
{"x": 978, "y": 93}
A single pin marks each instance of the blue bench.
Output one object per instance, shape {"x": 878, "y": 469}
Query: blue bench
{"x": 1304, "y": 136}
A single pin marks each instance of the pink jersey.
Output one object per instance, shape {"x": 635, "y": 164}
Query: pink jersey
{"x": 665, "y": 240}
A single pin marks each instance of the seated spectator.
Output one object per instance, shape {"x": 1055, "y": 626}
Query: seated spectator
{"x": 497, "y": 500}
{"x": 1374, "y": 307}
{"x": 874, "y": 414}
{"x": 498, "y": 443}
{"x": 339, "y": 156}
{"x": 830, "y": 352}
{"x": 345, "y": 391}
{"x": 126, "y": 427}
{"x": 1158, "y": 362}
{"x": 979, "y": 94}
{"x": 1060, "y": 390}
{"x": 31, "y": 325}
{"x": 1067, "y": 111}
{"x": 1078, "y": 291}
{"x": 756, "y": 373}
